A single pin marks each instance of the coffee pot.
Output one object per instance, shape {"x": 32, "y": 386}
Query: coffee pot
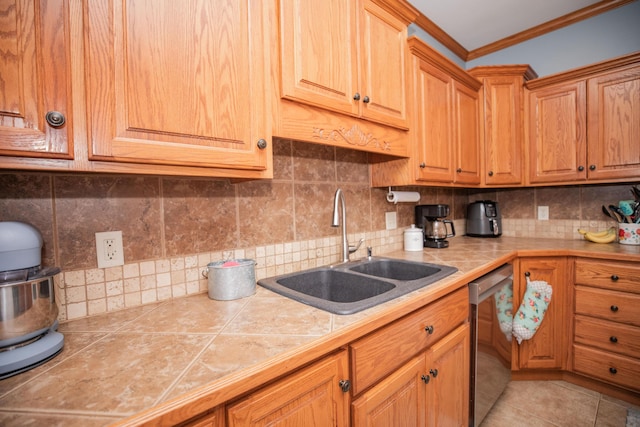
{"x": 436, "y": 228}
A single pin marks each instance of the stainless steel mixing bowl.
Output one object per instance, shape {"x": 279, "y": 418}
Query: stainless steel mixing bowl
{"x": 27, "y": 308}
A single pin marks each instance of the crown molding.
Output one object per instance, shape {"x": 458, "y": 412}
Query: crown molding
{"x": 571, "y": 18}
{"x": 632, "y": 59}
{"x": 547, "y": 27}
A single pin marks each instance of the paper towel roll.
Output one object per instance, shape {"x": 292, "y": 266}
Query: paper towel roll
{"x": 403, "y": 197}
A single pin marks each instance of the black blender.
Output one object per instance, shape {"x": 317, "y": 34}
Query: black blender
{"x": 431, "y": 219}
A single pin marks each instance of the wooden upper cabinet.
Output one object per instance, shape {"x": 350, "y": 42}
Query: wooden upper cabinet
{"x": 445, "y": 124}
{"x": 503, "y": 99}
{"x": 432, "y": 129}
{"x": 319, "y": 65}
{"x": 345, "y": 56}
{"x": 35, "y": 82}
{"x": 557, "y": 133}
{"x": 383, "y": 47}
{"x": 613, "y": 117}
{"x": 466, "y": 134}
{"x": 584, "y": 124}
{"x": 445, "y": 129}
{"x": 178, "y": 83}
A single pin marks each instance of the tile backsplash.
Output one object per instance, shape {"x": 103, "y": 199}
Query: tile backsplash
{"x": 172, "y": 227}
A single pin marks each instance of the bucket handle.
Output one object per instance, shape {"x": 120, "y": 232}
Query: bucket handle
{"x": 205, "y": 272}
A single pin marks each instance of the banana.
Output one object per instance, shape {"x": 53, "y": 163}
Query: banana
{"x": 597, "y": 237}
{"x": 596, "y": 233}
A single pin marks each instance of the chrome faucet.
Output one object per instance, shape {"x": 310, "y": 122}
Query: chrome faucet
{"x": 346, "y": 249}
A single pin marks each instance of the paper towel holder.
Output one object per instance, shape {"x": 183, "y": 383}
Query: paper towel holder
{"x": 402, "y": 196}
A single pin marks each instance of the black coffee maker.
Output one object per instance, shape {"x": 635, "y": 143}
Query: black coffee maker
{"x": 431, "y": 219}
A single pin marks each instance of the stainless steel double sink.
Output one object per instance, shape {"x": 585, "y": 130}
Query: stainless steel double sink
{"x": 355, "y": 286}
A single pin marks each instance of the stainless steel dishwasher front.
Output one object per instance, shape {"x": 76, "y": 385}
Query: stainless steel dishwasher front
{"x": 490, "y": 345}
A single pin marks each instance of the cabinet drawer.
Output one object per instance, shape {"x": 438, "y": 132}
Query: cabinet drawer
{"x": 618, "y": 276}
{"x": 609, "y": 336}
{"x": 383, "y": 351}
{"x": 612, "y": 368}
{"x": 609, "y": 305}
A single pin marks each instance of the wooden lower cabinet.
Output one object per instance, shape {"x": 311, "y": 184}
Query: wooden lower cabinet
{"x": 429, "y": 390}
{"x": 448, "y": 389}
{"x": 547, "y": 349}
{"x": 312, "y": 396}
{"x": 398, "y": 400}
{"x": 606, "y": 340}
{"x": 214, "y": 418}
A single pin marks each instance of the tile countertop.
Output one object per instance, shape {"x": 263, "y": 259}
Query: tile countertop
{"x": 157, "y": 358}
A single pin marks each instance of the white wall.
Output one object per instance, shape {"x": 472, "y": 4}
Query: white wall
{"x": 602, "y": 37}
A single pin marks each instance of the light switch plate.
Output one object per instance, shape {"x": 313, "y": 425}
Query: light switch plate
{"x": 543, "y": 213}
{"x": 391, "y": 219}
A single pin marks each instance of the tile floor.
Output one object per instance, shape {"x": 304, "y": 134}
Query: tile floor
{"x": 555, "y": 404}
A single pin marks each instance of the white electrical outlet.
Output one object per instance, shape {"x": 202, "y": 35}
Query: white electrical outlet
{"x": 109, "y": 249}
{"x": 391, "y": 219}
{"x": 543, "y": 213}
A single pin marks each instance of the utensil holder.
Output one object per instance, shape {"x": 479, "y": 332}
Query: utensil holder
{"x": 628, "y": 234}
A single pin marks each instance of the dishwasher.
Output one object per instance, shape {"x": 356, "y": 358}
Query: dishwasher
{"x": 491, "y": 304}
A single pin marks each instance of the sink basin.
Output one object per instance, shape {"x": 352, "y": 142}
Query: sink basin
{"x": 396, "y": 269}
{"x": 335, "y": 285}
{"x": 351, "y": 287}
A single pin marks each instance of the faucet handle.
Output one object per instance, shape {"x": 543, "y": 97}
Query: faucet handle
{"x": 352, "y": 249}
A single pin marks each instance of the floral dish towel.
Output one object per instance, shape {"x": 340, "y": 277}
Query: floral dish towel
{"x": 504, "y": 308}
{"x": 531, "y": 312}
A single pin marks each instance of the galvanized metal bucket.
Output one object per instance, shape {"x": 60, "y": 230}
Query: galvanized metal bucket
{"x": 231, "y": 279}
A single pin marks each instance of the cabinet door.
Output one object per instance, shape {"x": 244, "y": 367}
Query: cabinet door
{"x": 398, "y": 400}
{"x": 433, "y": 134}
{"x": 548, "y": 347}
{"x": 35, "y": 79}
{"x": 383, "y": 48}
{"x": 312, "y": 396}
{"x": 318, "y": 53}
{"x": 503, "y": 130}
{"x": 448, "y": 390}
{"x": 614, "y": 125}
{"x": 214, "y": 418}
{"x": 466, "y": 134}
{"x": 558, "y": 133}
{"x": 179, "y": 83}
